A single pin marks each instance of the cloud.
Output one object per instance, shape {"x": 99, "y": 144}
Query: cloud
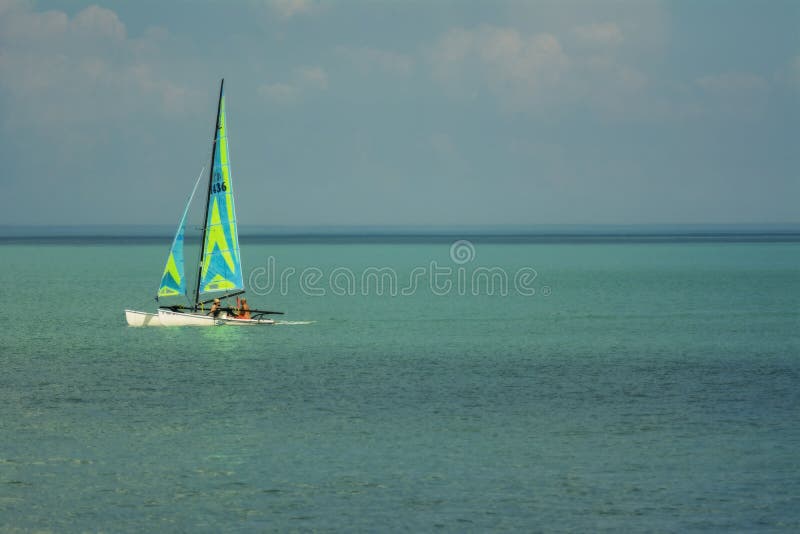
{"x": 645, "y": 24}
{"x": 8, "y": 5}
{"x": 312, "y": 77}
{"x": 289, "y": 8}
{"x": 24, "y": 27}
{"x": 304, "y": 80}
{"x": 515, "y": 67}
{"x": 100, "y": 22}
{"x": 533, "y": 72}
{"x": 279, "y": 92}
{"x": 597, "y": 34}
{"x": 58, "y": 69}
{"x": 605, "y": 83}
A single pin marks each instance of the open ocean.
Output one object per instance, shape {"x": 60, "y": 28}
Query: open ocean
{"x": 646, "y": 385}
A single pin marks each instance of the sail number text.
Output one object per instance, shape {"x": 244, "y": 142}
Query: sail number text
{"x": 218, "y": 186}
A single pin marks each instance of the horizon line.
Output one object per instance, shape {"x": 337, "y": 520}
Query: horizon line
{"x": 425, "y": 228}
{"x": 550, "y": 233}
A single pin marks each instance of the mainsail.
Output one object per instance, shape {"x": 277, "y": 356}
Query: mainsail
{"x": 221, "y": 264}
{"x": 173, "y": 281}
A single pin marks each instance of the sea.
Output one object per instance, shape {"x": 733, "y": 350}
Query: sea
{"x": 414, "y": 383}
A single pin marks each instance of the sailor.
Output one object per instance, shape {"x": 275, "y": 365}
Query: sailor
{"x": 245, "y": 311}
{"x": 214, "y": 308}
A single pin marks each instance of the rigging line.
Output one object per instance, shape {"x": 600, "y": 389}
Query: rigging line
{"x": 194, "y": 190}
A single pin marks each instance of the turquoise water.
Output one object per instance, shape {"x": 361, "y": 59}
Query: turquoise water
{"x": 644, "y": 387}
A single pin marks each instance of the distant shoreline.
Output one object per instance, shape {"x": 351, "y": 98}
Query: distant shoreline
{"x": 156, "y": 234}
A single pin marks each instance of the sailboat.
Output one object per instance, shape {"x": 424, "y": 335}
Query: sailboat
{"x": 219, "y": 273}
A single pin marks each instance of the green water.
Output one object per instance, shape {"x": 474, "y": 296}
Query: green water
{"x": 644, "y": 387}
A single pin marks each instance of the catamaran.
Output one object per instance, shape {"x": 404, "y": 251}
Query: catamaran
{"x": 219, "y": 273}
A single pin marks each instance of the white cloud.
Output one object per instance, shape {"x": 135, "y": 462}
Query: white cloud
{"x": 600, "y": 56}
{"x": 517, "y": 68}
{"x": 100, "y": 22}
{"x": 598, "y": 34}
{"x": 304, "y": 80}
{"x": 312, "y": 77}
{"x": 643, "y": 24}
{"x": 368, "y": 58}
{"x": 8, "y": 5}
{"x": 534, "y": 72}
{"x": 279, "y": 92}
{"x": 289, "y": 8}
{"x": 58, "y": 69}
{"x": 23, "y": 27}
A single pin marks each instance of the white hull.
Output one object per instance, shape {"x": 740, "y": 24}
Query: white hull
{"x": 229, "y": 321}
{"x": 173, "y": 318}
{"x": 137, "y": 318}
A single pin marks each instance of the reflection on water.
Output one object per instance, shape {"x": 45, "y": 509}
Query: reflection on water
{"x": 222, "y": 337}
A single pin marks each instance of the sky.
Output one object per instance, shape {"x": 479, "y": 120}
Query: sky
{"x": 404, "y": 113}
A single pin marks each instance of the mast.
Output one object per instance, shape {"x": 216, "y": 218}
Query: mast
{"x": 208, "y": 197}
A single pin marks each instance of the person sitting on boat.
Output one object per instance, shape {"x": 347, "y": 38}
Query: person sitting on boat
{"x": 244, "y": 310}
{"x": 214, "y": 308}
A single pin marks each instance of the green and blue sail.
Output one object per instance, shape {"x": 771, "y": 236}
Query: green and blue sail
{"x": 221, "y": 268}
{"x": 221, "y": 263}
{"x": 173, "y": 281}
